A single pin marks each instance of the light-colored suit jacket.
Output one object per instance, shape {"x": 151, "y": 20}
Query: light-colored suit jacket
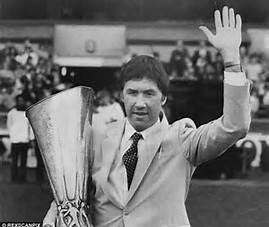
{"x": 161, "y": 180}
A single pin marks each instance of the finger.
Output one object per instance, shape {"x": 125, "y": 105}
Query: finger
{"x": 208, "y": 33}
{"x": 231, "y": 17}
{"x": 225, "y": 16}
{"x": 238, "y": 22}
{"x": 218, "y": 22}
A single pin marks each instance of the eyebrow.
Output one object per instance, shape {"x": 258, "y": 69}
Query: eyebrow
{"x": 135, "y": 89}
{"x": 150, "y": 90}
{"x": 144, "y": 91}
{"x": 131, "y": 89}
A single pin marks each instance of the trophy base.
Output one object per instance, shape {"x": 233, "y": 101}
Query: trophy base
{"x": 72, "y": 214}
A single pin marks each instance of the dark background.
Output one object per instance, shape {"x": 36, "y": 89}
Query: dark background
{"x": 130, "y": 10}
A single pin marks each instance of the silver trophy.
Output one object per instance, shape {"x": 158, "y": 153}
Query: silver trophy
{"x": 62, "y": 127}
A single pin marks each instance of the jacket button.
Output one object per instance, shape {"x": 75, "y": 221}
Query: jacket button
{"x": 125, "y": 212}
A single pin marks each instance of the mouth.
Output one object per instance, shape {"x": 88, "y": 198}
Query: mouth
{"x": 140, "y": 114}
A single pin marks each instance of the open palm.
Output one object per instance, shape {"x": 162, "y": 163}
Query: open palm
{"x": 228, "y": 31}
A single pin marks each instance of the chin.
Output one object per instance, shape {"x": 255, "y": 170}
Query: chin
{"x": 141, "y": 126}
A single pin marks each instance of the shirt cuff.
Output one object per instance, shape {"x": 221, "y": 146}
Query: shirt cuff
{"x": 235, "y": 78}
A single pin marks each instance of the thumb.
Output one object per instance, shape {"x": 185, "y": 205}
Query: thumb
{"x": 208, "y": 33}
{"x": 50, "y": 218}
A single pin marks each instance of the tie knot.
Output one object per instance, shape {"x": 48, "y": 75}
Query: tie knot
{"x": 136, "y": 137}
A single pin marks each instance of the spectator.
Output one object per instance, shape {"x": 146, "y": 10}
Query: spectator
{"x": 178, "y": 62}
{"x": 254, "y": 68}
{"x": 189, "y": 73}
{"x": 201, "y": 58}
{"x": 34, "y": 76}
{"x": 200, "y": 68}
{"x": 156, "y": 55}
{"x": 202, "y": 53}
{"x": 209, "y": 72}
{"x": 254, "y": 102}
{"x": 6, "y": 100}
{"x": 255, "y": 72}
{"x": 265, "y": 99}
{"x": 28, "y": 56}
{"x": 20, "y": 136}
{"x": 219, "y": 66}
{"x": 107, "y": 110}
{"x": 244, "y": 57}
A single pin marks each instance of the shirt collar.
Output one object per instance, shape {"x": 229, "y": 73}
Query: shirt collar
{"x": 129, "y": 130}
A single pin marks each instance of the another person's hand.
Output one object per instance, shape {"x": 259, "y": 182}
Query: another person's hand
{"x": 228, "y": 35}
{"x": 50, "y": 218}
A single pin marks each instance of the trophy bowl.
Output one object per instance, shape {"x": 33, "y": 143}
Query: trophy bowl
{"x": 62, "y": 127}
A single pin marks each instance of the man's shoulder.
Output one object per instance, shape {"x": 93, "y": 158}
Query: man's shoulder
{"x": 110, "y": 128}
{"x": 183, "y": 125}
{"x": 178, "y": 131}
{"x": 114, "y": 125}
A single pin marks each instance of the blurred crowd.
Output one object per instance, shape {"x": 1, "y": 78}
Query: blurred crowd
{"x": 206, "y": 65}
{"x": 27, "y": 70}
{"x": 27, "y": 75}
{"x": 200, "y": 65}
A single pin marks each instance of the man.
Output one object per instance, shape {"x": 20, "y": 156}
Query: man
{"x": 107, "y": 110}
{"x": 142, "y": 166}
{"x": 202, "y": 54}
{"x": 179, "y": 60}
{"x": 20, "y": 135}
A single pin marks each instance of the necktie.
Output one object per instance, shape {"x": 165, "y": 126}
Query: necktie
{"x": 130, "y": 158}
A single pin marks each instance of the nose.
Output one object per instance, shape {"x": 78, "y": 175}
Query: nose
{"x": 140, "y": 102}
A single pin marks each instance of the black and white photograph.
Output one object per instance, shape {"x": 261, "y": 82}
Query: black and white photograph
{"x": 125, "y": 113}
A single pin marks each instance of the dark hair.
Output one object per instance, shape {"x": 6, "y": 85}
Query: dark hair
{"x": 143, "y": 66}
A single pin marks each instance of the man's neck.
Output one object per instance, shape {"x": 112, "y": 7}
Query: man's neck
{"x": 129, "y": 129}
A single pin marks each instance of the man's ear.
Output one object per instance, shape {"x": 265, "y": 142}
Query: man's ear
{"x": 163, "y": 100}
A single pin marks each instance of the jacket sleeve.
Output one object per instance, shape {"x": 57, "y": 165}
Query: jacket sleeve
{"x": 212, "y": 139}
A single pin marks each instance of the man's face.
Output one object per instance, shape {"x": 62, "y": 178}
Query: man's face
{"x": 143, "y": 101}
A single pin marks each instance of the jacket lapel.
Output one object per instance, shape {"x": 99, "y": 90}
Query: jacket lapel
{"x": 152, "y": 146}
{"x": 110, "y": 146}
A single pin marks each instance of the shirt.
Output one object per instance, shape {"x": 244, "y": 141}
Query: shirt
{"x": 18, "y": 127}
{"x": 118, "y": 175}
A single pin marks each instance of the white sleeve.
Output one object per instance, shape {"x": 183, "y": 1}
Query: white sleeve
{"x": 9, "y": 120}
{"x": 235, "y": 78}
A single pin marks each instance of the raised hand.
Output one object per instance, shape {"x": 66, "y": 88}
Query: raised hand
{"x": 228, "y": 35}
